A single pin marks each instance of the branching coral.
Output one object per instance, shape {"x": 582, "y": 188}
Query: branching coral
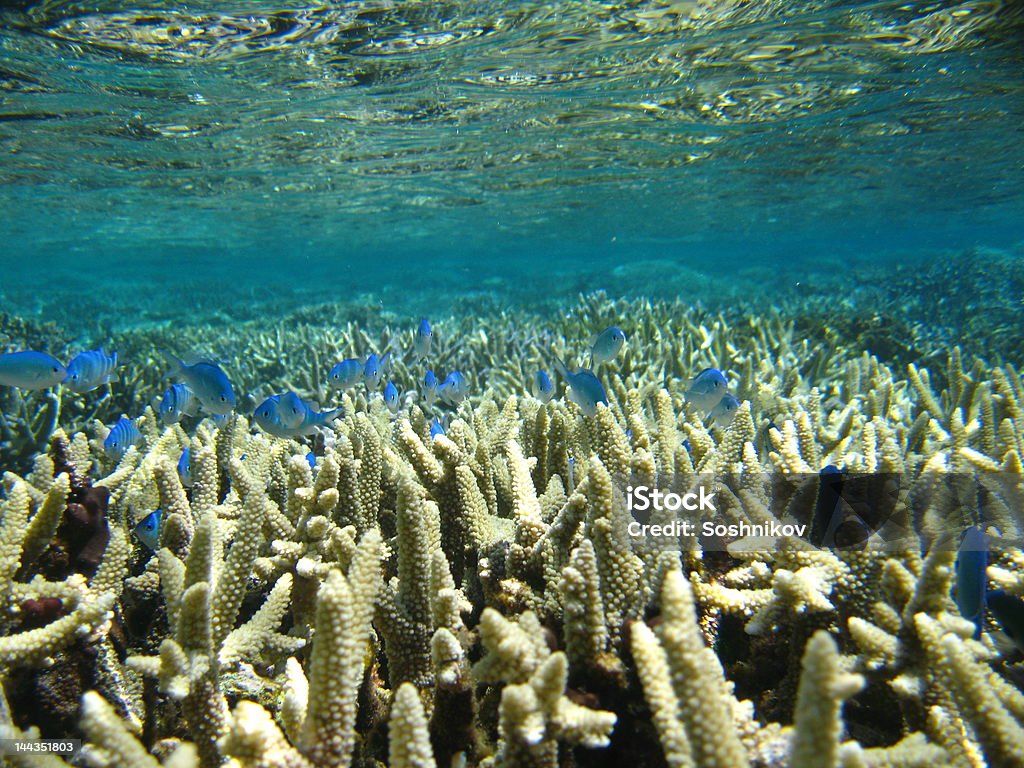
{"x": 483, "y": 596}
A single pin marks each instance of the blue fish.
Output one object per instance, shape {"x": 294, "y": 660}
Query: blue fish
{"x": 391, "y": 398}
{"x": 314, "y": 419}
{"x": 347, "y": 373}
{"x": 148, "y": 529}
{"x": 89, "y": 370}
{"x": 424, "y": 335}
{"x": 122, "y": 436}
{"x": 585, "y": 389}
{"x": 268, "y": 417}
{"x": 373, "y": 370}
{"x": 436, "y": 428}
{"x": 177, "y": 401}
{"x": 1009, "y": 612}
{"x": 311, "y": 460}
{"x": 707, "y": 389}
{"x": 606, "y": 345}
{"x": 723, "y": 413}
{"x": 543, "y": 387}
{"x": 454, "y": 388}
{"x": 209, "y": 383}
{"x": 31, "y": 370}
{"x": 972, "y": 576}
{"x": 221, "y": 419}
{"x": 185, "y": 468}
{"x": 429, "y": 389}
{"x": 291, "y": 410}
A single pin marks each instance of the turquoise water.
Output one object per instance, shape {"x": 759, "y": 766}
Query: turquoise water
{"x": 413, "y": 153}
{"x": 795, "y": 186}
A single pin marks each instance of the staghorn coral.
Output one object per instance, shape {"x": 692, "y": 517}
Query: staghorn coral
{"x": 481, "y": 592}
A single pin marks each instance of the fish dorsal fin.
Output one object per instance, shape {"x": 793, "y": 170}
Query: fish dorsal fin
{"x": 195, "y": 358}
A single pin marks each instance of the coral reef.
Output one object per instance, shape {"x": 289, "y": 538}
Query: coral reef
{"x": 477, "y": 598}
{"x": 877, "y": 310}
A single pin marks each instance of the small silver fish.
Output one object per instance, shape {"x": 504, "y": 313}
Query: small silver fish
{"x": 373, "y": 370}
{"x": 429, "y": 389}
{"x": 176, "y": 402}
{"x": 89, "y": 370}
{"x": 122, "y": 436}
{"x": 585, "y": 389}
{"x": 543, "y": 387}
{"x": 347, "y": 373}
{"x": 148, "y": 529}
{"x": 725, "y": 411}
{"x": 707, "y": 388}
{"x": 31, "y": 370}
{"x": 391, "y": 398}
{"x": 315, "y": 418}
{"x": 424, "y": 335}
{"x": 606, "y": 346}
{"x": 185, "y": 468}
{"x": 454, "y": 388}
{"x": 268, "y": 417}
{"x": 291, "y": 410}
{"x": 209, "y": 383}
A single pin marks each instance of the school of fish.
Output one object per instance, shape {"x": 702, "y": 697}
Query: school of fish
{"x": 202, "y": 387}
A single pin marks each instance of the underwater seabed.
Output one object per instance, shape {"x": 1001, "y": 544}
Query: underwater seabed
{"x": 475, "y": 598}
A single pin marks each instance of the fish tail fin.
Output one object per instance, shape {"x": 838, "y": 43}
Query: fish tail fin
{"x": 560, "y": 367}
{"x": 322, "y": 420}
{"x": 175, "y": 363}
{"x": 112, "y": 374}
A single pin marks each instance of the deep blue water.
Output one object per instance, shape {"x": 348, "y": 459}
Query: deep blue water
{"x": 415, "y": 153}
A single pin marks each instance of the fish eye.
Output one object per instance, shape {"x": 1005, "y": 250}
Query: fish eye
{"x": 223, "y": 399}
